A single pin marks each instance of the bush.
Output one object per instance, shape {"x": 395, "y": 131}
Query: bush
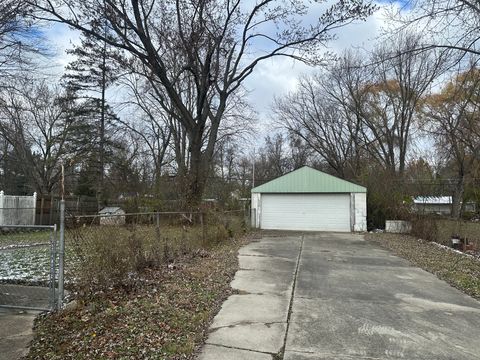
{"x": 109, "y": 256}
{"x": 425, "y": 228}
{"x": 113, "y": 255}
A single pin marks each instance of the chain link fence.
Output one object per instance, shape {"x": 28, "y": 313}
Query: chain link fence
{"x": 28, "y": 266}
{"x": 96, "y": 252}
{"x": 103, "y": 251}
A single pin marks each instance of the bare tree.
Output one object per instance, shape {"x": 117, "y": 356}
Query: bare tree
{"x": 300, "y": 152}
{"x": 451, "y": 117}
{"x": 19, "y": 40}
{"x": 319, "y": 114}
{"x": 215, "y": 45}
{"x": 151, "y": 124}
{"x": 43, "y": 127}
{"x": 273, "y": 159}
{"x": 449, "y": 24}
{"x": 389, "y": 101}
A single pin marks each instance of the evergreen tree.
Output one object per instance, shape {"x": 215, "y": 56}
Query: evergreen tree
{"x": 90, "y": 75}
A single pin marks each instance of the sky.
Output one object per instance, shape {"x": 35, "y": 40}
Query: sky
{"x": 278, "y": 76}
{"x": 271, "y": 78}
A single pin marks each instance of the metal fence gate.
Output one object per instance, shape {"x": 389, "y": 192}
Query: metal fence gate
{"x": 28, "y": 267}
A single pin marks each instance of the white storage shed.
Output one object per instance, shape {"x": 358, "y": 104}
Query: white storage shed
{"x": 112, "y": 215}
{"x": 309, "y": 200}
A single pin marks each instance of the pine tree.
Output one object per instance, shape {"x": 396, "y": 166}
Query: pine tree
{"x": 90, "y": 75}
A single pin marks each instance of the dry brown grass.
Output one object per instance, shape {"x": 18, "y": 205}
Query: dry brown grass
{"x": 462, "y": 272}
{"x": 465, "y": 229}
{"x": 100, "y": 257}
{"x": 165, "y": 314}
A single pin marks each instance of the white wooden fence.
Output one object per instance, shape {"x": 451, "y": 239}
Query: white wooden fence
{"x": 17, "y": 210}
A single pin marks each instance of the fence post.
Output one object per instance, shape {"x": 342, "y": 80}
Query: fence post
{"x": 42, "y": 205}
{"x": 202, "y": 223}
{"x": 157, "y": 226}
{"x": 61, "y": 255}
{"x": 50, "y": 220}
{"x": 53, "y": 258}
{"x": 2, "y": 206}
{"x": 34, "y": 208}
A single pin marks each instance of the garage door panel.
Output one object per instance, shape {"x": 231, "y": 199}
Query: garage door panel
{"x": 315, "y": 212}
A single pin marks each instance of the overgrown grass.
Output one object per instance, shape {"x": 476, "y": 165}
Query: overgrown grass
{"x": 106, "y": 256}
{"x": 441, "y": 230}
{"x": 140, "y": 294}
{"x": 165, "y": 315}
{"x": 460, "y": 271}
{"x": 465, "y": 229}
{"x": 102, "y": 256}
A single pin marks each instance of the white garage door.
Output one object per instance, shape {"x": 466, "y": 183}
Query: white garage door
{"x": 310, "y": 212}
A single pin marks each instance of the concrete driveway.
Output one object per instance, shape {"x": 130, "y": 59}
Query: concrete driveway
{"x": 16, "y": 325}
{"x": 15, "y": 333}
{"x": 336, "y": 296}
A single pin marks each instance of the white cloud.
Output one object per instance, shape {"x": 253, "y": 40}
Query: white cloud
{"x": 278, "y": 76}
{"x": 271, "y": 78}
{"x": 60, "y": 38}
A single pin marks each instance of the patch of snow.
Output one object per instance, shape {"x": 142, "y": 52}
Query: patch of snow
{"x": 25, "y": 264}
{"x": 19, "y": 246}
{"x": 455, "y": 251}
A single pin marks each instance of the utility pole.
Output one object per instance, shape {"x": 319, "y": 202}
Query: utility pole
{"x": 253, "y": 169}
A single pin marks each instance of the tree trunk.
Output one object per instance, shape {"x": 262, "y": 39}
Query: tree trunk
{"x": 196, "y": 176}
{"x": 457, "y": 198}
{"x": 101, "y": 168}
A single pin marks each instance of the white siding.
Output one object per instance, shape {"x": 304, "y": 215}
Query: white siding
{"x": 309, "y": 212}
{"x": 360, "y": 205}
{"x": 255, "y": 216}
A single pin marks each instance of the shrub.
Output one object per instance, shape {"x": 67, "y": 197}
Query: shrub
{"x": 113, "y": 255}
{"x": 108, "y": 256}
{"x": 425, "y": 228}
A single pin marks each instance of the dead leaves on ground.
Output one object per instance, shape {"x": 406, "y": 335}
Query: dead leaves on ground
{"x": 164, "y": 316}
{"x": 458, "y": 270}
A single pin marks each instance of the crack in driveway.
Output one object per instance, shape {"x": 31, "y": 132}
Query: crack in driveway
{"x": 331, "y": 297}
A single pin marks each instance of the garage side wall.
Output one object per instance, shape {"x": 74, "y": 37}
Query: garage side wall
{"x": 360, "y": 210}
{"x": 255, "y": 215}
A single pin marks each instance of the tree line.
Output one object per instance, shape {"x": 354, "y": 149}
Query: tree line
{"x": 371, "y": 118}
{"x": 184, "y": 63}
{"x": 180, "y": 123}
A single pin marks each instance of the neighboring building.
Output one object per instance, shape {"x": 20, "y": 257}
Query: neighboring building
{"x": 309, "y": 200}
{"x": 112, "y": 215}
{"x": 440, "y": 205}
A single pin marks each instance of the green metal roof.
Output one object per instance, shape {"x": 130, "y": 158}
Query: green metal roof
{"x": 308, "y": 180}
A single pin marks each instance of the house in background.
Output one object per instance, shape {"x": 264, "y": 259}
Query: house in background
{"x": 440, "y": 205}
{"x": 112, "y": 215}
{"x": 309, "y": 200}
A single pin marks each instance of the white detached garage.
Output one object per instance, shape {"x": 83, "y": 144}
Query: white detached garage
{"x": 309, "y": 200}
